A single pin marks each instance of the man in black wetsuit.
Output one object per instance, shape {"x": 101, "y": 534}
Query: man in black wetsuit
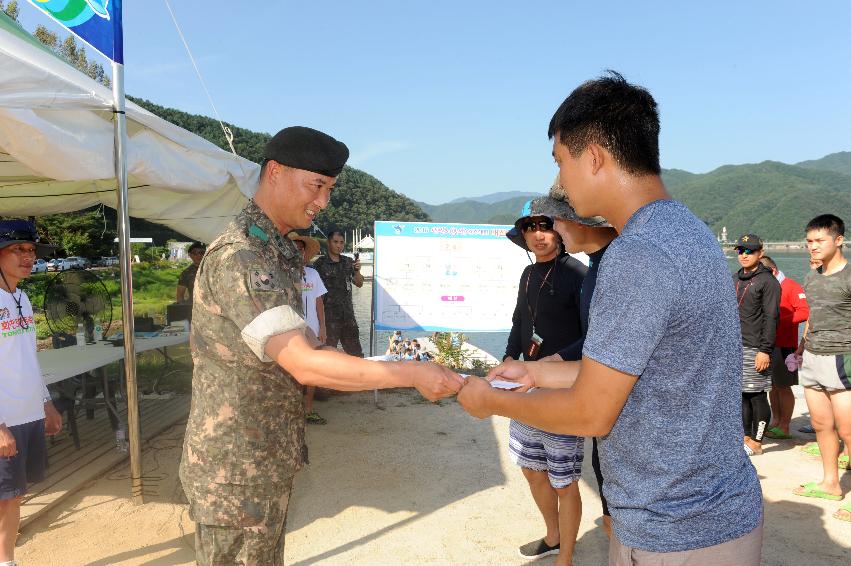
{"x": 546, "y": 319}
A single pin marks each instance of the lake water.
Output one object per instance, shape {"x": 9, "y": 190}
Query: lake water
{"x": 793, "y": 263}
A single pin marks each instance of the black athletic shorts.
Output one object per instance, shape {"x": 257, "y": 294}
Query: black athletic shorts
{"x": 29, "y": 465}
{"x": 780, "y": 374}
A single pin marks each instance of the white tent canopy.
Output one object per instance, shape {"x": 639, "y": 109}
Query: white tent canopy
{"x": 56, "y": 149}
{"x": 367, "y": 243}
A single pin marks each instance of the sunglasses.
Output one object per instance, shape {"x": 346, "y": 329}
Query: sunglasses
{"x": 537, "y": 226}
{"x": 745, "y": 251}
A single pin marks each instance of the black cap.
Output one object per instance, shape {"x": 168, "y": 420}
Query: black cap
{"x": 22, "y": 232}
{"x": 750, "y": 242}
{"x": 308, "y": 149}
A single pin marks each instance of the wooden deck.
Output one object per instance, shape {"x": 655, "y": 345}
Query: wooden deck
{"x": 71, "y": 469}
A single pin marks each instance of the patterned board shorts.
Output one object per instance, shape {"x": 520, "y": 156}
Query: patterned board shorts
{"x": 559, "y": 455}
{"x": 752, "y": 380}
{"x": 828, "y": 373}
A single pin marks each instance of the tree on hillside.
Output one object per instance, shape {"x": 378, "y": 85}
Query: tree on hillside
{"x": 72, "y": 53}
{"x": 11, "y": 9}
{"x": 82, "y": 233}
{"x": 47, "y": 37}
{"x": 360, "y": 199}
{"x": 248, "y": 144}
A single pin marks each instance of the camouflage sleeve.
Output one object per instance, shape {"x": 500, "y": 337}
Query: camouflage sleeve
{"x": 257, "y": 297}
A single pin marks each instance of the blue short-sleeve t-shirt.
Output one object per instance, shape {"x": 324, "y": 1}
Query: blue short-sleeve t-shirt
{"x": 664, "y": 309}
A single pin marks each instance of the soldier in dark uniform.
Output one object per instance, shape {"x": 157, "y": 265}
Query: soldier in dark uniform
{"x": 339, "y": 273}
{"x": 252, "y": 352}
{"x": 186, "y": 282}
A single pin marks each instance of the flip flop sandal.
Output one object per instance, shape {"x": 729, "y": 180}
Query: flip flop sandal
{"x": 812, "y": 490}
{"x": 748, "y": 450}
{"x": 315, "y": 418}
{"x": 843, "y": 513}
{"x": 811, "y": 448}
{"x": 777, "y": 434}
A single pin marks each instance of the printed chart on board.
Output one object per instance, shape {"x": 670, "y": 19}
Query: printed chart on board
{"x": 445, "y": 277}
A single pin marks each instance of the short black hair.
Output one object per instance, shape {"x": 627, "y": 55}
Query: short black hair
{"x": 771, "y": 263}
{"x": 830, "y": 222}
{"x": 334, "y": 232}
{"x": 196, "y": 246}
{"x": 617, "y": 115}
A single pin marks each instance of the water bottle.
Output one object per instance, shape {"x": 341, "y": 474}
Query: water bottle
{"x": 81, "y": 336}
{"x": 121, "y": 439}
{"x": 98, "y": 331}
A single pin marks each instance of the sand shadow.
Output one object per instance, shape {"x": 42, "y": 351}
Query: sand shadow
{"x": 810, "y": 544}
{"x": 426, "y": 469}
{"x": 180, "y": 552}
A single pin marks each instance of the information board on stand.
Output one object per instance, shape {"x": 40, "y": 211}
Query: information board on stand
{"x": 445, "y": 277}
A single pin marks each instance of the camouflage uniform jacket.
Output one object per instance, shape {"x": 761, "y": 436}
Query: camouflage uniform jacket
{"x": 337, "y": 277}
{"x": 245, "y": 434}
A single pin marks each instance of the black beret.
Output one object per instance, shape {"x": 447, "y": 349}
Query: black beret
{"x": 308, "y": 149}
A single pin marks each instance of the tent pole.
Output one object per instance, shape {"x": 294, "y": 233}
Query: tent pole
{"x": 120, "y": 138}
{"x": 372, "y": 310}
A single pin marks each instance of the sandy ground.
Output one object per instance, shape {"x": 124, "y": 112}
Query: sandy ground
{"x": 411, "y": 483}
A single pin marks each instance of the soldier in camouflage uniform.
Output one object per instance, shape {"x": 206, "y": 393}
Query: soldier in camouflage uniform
{"x": 339, "y": 273}
{"x": 252, "y": 352}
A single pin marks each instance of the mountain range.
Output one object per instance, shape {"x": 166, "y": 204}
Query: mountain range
{"x": 772, "y": 199}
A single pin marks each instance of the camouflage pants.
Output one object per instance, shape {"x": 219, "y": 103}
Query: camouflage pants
{"x": 346, "y": 332}
{"x": 259, "y": 545}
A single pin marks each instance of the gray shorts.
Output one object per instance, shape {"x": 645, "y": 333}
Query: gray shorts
{"x": 743, "y": 551}
{"x": 828, "y": 373}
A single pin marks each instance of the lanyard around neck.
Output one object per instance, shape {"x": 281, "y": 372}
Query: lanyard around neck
{"x": 534, "y": 314}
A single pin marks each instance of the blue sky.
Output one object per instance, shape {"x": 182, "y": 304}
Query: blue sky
{"x": 441, "y": 99}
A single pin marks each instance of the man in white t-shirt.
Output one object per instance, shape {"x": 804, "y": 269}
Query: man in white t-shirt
{"x": 26, "y": 412}
{"x": 314, "y": 310}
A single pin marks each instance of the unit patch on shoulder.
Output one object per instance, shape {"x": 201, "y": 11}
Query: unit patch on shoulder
{"x": 260, "y": 280}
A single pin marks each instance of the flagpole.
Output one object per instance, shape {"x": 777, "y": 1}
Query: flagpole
{"x": 125, "y": 257}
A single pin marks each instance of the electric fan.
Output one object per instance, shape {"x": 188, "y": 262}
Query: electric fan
{"x": 74, "y": 297}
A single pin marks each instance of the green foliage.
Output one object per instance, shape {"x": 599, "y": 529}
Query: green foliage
{"x": 72, "y": 53}
{"x": 837, "y": 162}
{"x": 450, "y": 351}
{"x": 248, "y": 144}
{"x": 771, "y": 199}
{"x": 80, "y": 233}
{"x": 774, "y": 200}
{"x": 473, "y": 212}
{"x": 47, "y": 37}
{"x": 11, "y": 9}
{"x": 358, "y": 200}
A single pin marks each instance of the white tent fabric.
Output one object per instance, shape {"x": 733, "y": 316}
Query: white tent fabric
{"x": 56, "y": 150}
{"x": 367, "y": 243}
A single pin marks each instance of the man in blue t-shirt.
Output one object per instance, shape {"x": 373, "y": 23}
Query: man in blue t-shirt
{"x": 659, "y": 380}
